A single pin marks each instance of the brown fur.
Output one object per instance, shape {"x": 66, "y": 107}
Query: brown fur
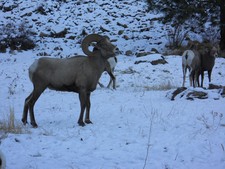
{"x": 78, "y": 74}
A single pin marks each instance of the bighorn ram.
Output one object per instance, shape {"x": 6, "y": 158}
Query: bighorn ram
{"x": 191, "y": 60}
{"x": 110, "y": 67}
{"x": 78, "y": 74}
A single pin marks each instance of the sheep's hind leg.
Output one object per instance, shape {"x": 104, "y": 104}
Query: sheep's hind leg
{"x": 184, "y": 74}
{"x": 36, "y": 94}
{"x": 112, "y": 79}
{"x": 25, "y": 109}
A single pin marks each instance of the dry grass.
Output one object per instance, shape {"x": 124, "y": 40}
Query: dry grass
{"x": 164, "y": 86}
{"x": 9, "y": 124}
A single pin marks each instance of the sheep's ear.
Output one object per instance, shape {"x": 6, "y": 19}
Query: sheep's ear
{"x": 96, "y": 46}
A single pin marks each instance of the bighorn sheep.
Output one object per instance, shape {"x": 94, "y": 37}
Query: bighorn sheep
{"x": 110, "y": 67}
{"x": 207, "y": 62}
{"x": 78, "y": 74}
{"x": 2, "y": 161}
{"x": 191, "y": 60}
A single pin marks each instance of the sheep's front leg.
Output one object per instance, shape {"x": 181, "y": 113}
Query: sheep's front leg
{"x": 83, "y": 104}
{"x": 202, "y": 78}
{"x": 87, "y": 116}
{"x": 209, "y": 75}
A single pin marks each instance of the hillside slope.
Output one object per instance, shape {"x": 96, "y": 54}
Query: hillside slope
{"x": 135, "y": 126}
{"x": 126, "y": 22}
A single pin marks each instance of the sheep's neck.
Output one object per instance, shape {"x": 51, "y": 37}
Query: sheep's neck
{"x": 98, "y": 64}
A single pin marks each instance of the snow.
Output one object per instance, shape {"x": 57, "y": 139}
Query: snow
{"x": 126, "y": 121}
{"x": 134, "y": 126}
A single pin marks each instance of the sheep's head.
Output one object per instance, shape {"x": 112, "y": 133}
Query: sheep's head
{"x": 103, "y": 45}
{"x": 214, "y": 52}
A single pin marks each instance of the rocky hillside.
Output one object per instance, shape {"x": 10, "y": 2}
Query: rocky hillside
{"x": 65, "y": 22}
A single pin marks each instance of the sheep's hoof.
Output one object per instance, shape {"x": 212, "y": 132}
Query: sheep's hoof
{"x": 101, "y": 85}
{"x": 24, "y": 122}
{"x": 34, "y": 125}
{"x": 88, "y": 121}
{"x": 81, "y": 123}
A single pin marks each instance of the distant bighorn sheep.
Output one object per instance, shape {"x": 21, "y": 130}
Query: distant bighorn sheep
{"x": 207, "y": 62}
{"x": 78, "y": 74}
{"x": 191, "y": 60}
{"x": 110, "y": 67}
{"x": 112, "y": 61}
{"x": 207, "y": 55}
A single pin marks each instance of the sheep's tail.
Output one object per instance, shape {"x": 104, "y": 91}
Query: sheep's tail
{"x": 32, "y": 69}
{"x": 186, "y": 55}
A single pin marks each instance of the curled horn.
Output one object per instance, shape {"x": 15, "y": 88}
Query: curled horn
{"x": 87, "y": 41}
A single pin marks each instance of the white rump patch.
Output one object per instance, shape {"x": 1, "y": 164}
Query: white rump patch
{"x": 32, "y": 69}
{"x": 187, "y": 57}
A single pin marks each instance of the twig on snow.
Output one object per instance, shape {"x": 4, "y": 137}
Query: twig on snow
{"x": 153, "y": 113}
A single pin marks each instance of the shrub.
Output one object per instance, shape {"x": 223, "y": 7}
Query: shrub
{"x": 176, "y": 36}
{"x": 16, "y": 37}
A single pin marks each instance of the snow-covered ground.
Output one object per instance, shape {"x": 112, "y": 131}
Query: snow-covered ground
{"x": 134, "y": 126}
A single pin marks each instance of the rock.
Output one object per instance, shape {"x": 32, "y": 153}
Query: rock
{"x": 41, "y": 10}
{"x": 177, "y": 91}
{"x": 194, "y": 93}
{"x": 103, "y": 29}
{"x": 42, "y": 34}
{"x": 140, "y": 54}
{"x": 154, "y": 59}
{"x": 197, "y": 94}
{"x": 9, "y": 8}
{"x": 128, "y": 53}
{"x": 61, "y": 34}
{"x": 159, "y": 61}
{"x": 120, "y": 32}
{"x": 126, "y": 37}
{"x": 154, "y": 50}
{"x": 140, "y": 61}
{"x": 213, "y": 86}
{"x": 123, "y": 25}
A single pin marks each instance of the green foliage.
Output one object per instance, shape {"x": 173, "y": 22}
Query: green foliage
{"x": 187, "y": 12}
{"x": 196, "y": 16}
{"x": 193, "y": 14}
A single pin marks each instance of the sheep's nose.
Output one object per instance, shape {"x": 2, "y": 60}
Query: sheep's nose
{"x": 216, "y": 55}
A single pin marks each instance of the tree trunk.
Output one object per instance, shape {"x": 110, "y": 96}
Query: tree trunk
{"x": 222, "y": 25}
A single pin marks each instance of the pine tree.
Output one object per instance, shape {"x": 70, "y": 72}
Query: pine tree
{"x": 222, "y": 25}
{"x": 193, "y": 14}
